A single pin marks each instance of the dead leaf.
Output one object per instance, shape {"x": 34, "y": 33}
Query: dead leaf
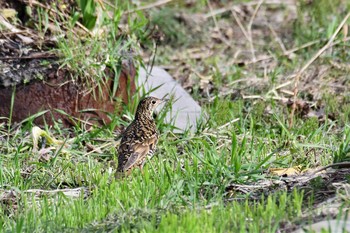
{"x": 91, "y": 147}
{"x": 8, "y": 13}
{"x": 292, "y": 171}
{"x": 37, "y": 133}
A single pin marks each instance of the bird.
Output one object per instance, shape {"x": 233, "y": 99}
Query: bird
{"x": 140, "y": 138}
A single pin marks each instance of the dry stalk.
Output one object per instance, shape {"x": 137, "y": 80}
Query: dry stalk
{"x": 240, "y": 25}
{"x": 249, "y": 28}
{"x": 290, "y": 51}
{"x": 252, "y": 3}
{"x": 100, "y": 148}
{"x": 278, "y": 39}
{"x": 222, "y": 37}
{"x": 302, "y": 70}
{"x": 156, "y": 4}
{"x": 72, "y": 193}
{"x": 56, "y": 12}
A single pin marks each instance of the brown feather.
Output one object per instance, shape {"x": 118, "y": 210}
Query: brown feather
{"x": 140, "y": 137}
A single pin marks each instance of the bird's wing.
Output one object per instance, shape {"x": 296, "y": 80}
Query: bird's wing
{"x": 131, "y": 161}
{"x": 139, "y": 151}
{"x": 149, "y": 142}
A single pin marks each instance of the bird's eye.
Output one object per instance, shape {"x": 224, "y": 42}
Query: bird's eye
{"x": 153, "y": 102}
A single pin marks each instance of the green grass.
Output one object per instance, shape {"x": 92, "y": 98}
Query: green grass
{"x": 189, "y": 184}
{"x": 189, "y": 173}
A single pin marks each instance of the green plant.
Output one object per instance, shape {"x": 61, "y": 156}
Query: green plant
{"x": 343, "y": 152}
{"x": 88, "y": 9}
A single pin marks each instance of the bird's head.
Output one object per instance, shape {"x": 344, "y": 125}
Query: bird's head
{"x": 147, "y": 106}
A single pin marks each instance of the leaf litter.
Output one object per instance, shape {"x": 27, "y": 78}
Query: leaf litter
{"x": 243, "y": 44}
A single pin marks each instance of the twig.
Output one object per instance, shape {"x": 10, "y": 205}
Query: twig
{"x": 340, "y": 41}
{"x": 228, "y": 123}
{"x": 240, "y": 24}
{"x": 15, "y": 30}
{"x": 14, "y": 33}
{"x": 288, "y": 52}
{"x": 213, "y": 17}
{"x": 101, "y": 4}
{"x": 248, "y": 33}
{"x": 253, "y": 97}
{"x": 32, "y": 56}
{"x": 7, "y": 25}
{"x": 302, "y": 70}
{"x": 254, "y": 14}
{"x": 75, "y": 192}
{"x": 98, "y": 148}
{"x": 283, "y": 85}
{"x": 341, "y": 165}
{"x": 287, "y": 92}
{"x": 249, "y": 28}
{"x": 278, "y": 39}
{"x": 108, "y": 3}
{"x": 221, "y": 36}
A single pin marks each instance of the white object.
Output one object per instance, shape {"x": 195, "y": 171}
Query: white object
{"x": 185, "y": 112}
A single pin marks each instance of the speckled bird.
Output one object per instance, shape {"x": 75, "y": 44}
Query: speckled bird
{"x": 140, "y": 137}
